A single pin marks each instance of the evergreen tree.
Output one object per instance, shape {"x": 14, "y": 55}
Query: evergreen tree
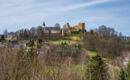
{"x": 129, "y": 42}
{"x": 97, "y": 69}
{"x": 128, "y": 71}
{"x": 122, "y": 75}
{"x": 31, "y": 43}
{"x": 39, "y": 41}
{"x": 2, "y": 38}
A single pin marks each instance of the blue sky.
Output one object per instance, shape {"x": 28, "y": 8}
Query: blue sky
{"x": 17, "y": 14}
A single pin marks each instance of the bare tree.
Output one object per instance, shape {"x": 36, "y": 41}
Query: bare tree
{"x": 6, "y": 33}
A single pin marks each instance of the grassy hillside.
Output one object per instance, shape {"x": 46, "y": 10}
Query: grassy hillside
{"x": 70, "y": 42}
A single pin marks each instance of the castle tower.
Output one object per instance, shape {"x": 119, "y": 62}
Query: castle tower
{"x": 63, "y": 33}
{"x": 81, "y": 26}
{"x": 68, "y": 28}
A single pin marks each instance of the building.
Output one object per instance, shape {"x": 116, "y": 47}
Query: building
{"x": 51, "y": 30}
{"x": 63, "y": 32}
{"x": 11, "y": 36}
{"x": 15, "y": 44}
{"x": 68, "y": 29}
{"x": 126, "y": 58}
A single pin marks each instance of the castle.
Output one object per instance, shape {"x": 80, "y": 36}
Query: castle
{"x": 68, "y": 30}
{"x": 65, "y": 31}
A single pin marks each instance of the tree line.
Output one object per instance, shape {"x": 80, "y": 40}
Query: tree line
{"x": 106, "y": 41}
{"x": 33, "y": 33}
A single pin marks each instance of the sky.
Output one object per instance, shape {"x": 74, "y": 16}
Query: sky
{"x": 18, "y": 14}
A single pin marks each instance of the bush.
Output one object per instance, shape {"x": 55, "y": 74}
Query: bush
{"x": 74, "y": 32}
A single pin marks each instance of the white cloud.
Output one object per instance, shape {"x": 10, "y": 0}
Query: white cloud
{"x": 81, "y": 5}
